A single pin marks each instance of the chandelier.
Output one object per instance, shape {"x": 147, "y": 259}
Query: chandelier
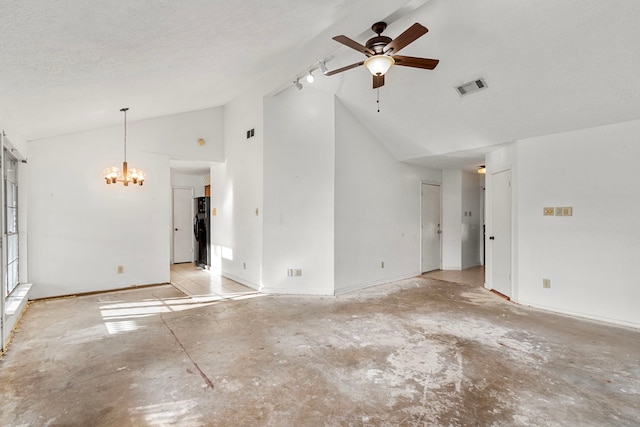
{"x": 133, "y": 175}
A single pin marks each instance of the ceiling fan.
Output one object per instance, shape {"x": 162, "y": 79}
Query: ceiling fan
{"x": 381, "y": 52}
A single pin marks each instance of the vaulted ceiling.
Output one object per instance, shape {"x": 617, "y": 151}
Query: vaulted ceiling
{"x": 550, "y": 66}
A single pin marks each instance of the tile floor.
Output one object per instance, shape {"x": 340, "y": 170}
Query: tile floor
{"x": 471, "y": 276}
{"x": 206, "y": 285}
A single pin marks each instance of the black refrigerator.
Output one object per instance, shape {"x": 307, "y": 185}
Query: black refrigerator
{"x": 202, "y": 232}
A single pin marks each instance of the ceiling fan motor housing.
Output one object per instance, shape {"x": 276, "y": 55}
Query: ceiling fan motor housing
{"x": 378, "y": 43}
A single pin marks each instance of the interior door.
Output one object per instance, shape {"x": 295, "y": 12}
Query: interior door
{"x": 431, "y": 246}
{"x": 500, "y": 234}
{"x": 182, "y": 225}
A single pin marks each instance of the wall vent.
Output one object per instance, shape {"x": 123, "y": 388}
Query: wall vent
{"x": 471, "y": 87}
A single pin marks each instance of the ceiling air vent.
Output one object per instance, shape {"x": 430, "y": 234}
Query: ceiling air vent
{"x": 471, "y": 87}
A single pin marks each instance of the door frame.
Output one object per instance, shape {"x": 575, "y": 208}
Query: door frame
{"x": 171, "y": 230}
{"x": 439, "y": 185}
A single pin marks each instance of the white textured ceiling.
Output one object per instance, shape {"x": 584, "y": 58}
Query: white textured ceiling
{"x": 69, "y": 65}
{"x": 550, "y": 66}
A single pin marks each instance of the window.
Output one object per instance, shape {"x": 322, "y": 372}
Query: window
{"x": 11, "y": 221}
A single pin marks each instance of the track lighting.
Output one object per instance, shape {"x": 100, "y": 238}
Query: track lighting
{"x": 297, "y": 84}
{"x": 310, "y": 78}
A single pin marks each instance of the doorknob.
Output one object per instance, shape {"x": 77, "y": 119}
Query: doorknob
{"x": 492, "y": 238}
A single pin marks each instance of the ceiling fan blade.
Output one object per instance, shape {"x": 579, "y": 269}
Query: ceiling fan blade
{"x": 354, "y": 45}
{"x": 411, "y": 61}
{"x": 410, "y": 35}
{"x": 378, "y": 81}
{"x": 348, "y": 67}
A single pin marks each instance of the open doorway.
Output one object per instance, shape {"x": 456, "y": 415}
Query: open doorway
{"x": 188, "y": 184}
{"x": 431, "y": 230}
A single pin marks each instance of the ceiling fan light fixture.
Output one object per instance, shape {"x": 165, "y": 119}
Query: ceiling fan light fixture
{"x": 378, "y": 65}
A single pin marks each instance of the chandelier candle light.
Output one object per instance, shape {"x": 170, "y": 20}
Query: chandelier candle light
{"x": 133, "y": 175}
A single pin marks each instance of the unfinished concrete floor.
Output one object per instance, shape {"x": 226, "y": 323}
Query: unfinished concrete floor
{"x": 417, "y": 352}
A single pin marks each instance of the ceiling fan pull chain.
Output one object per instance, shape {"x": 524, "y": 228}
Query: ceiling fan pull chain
{"x": 378, "y": 100}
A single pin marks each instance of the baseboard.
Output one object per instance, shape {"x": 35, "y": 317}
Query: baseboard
{"x": 475, "y": 264}
{"x": 241, "y": 281}
{"x": 290, "y": 291}
{"x": 358, "y": 287}
{"x": 581, "y": 315}
{"x": 97, "y": 292}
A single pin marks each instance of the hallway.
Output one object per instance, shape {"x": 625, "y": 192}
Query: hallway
{"x": 420, "y": 351}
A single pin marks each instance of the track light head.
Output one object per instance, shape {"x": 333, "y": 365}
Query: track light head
{"x": 323, "y": 68}
{"x": 297, "y": 84}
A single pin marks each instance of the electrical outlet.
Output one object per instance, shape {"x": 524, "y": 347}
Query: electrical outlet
{"x": 546, "y": 283}
{"x": 120, "y": 269}
{"x": 294, "y": 272}
{"x": 564, "y": 211}
{"x": 547, "y": 211}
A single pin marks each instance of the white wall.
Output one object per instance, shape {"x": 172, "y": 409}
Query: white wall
{"x": 452, "y": 220}
{"x": 377, "y": 208}
{"x": 299, "y": 191}
{"x": 591, "y": 257}
{"x": 236, "y": 193}
{"x": 180, "y": 179}
{"x": 81, "y": 230}
{"x": 177, "y": 135}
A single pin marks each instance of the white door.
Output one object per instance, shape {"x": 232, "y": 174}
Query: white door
{"x": 182, "y": 225}
{"x": 431, "y": 247}
{"x": 500, "y": 234}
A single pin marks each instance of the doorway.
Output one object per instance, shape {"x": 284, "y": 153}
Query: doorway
{"x": 431, "y": 231}
{"x": 500, "y": 234}
{"x": 182, "y": 201}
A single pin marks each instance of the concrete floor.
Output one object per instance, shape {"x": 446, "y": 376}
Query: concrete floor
{"x": 416, "y": 352}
